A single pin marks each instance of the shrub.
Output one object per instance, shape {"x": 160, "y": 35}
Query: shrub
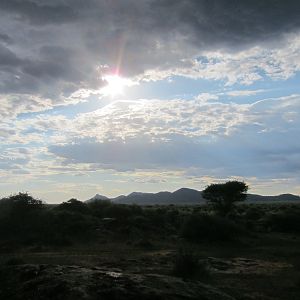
{"x": 119, "y": 211}
{"x": 140, "y": 222}
{"x": 99, "y": 207}
{"x": 74, "y": 205}
{"x": 253, "y": 213}
{"x": 288, "y": 221}
{"x": 207, "y": 227}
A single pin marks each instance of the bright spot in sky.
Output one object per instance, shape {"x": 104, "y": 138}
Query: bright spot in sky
{"x": 115, "y": 85}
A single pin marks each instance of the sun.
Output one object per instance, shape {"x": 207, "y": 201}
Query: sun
{"x": 115, "y": 85}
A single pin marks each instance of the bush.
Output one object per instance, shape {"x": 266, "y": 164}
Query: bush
{"x": 288, "y": 221}
{"x": 20, "y": 205}
{"x": 210, "y": 228}
{"x": 98, "y": 208}
{"x": 21, "y": 219}
{"x": 74, "y": 205}
{"x": 120, "y": 212}
{"x": 253, "y": 213}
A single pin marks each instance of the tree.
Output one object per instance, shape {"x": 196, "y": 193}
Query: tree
{"x": 23, "y": 215}
{"x": 223, "y": 196}
{"x": 23, "y": 203}
{"x": 74, "y": 205}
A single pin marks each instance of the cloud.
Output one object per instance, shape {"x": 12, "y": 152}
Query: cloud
{"x": 4, "y": 38}
{"x": 7, "y": 57}
{"x": 214, "y": 138}
{"x": 39, "y": 12}
{"x": 55, "y": 53}
{"x": 136, "y": 140}
{"x": 207, "y": 97}
{"x": 14, "y": 159}
{"x": 53, "y": 49}
{"x": 244, "y": 93}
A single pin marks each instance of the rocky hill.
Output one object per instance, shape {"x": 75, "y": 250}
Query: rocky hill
{"x": 185, "y": 196}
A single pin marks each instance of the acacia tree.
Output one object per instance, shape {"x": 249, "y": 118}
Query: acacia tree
{"x": 223, "y": 196}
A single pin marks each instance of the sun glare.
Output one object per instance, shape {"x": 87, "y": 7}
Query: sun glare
{"x": 115, "y": 85}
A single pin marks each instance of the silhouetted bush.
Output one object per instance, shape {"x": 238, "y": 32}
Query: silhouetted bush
{"x": 28, "y": 221}
{"x": 197, "y": 228}
{"x": 98, "y": 208}
{"x": 157, "y": 217}
{"x": 21, "y": 218}
{"x": 74, "y": 205}
{"x": 19, "y": 205}
{"x": 286, "y": 221}
{"x": 74, "y": 224}
{"x": 253, "y": 213}
{"x": 140, "y": 222}
{"x": 173, "y": 218}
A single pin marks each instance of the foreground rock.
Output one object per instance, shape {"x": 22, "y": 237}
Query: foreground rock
{"x": 240, "y": 265}
{"x": 45, "y": 282}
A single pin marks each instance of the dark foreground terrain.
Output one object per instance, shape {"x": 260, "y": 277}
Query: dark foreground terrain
{"x": 108, "y": 251}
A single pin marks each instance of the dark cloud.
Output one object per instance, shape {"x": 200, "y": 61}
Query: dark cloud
{"x": 39, "y": 12}
{"x": 7, "y": 57}
{"x": 5, "y": 38}
{"x": 232, "y": 23}
{"x": 65, "y": 41}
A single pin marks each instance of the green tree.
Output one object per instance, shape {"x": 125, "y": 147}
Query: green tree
{"x": 223, "y": 196}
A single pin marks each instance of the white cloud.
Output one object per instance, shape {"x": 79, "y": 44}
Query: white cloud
{"x": 204, "y": 97}
{"x": 245, "y": 67}
{"x": 195, "y": 137}
{"x": 244, "y": 93}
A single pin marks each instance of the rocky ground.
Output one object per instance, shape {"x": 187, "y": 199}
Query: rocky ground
{"x": 45, "y": 282}
{"x": 148, "y": 276}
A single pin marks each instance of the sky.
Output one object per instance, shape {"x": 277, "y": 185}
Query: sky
{"x": 116, "y": 96}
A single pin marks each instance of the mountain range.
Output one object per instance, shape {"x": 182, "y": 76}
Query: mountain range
{"x": 185, "y": 196}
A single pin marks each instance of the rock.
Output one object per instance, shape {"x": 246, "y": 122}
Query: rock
{"x": 240, "y": 265}
{"x": 54, "y": 282}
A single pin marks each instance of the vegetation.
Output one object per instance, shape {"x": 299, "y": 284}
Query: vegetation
{"x": 222, "y": 197}
{"x": 256, "y": 248}
{"x": 202, "y": 227}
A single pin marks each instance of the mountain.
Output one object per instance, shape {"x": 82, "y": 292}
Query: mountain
{"x": 145, "y": 198}
{"x": 278, "y": 198}
{"x": 97, "y": 197}
{"x": 185, "y": 196}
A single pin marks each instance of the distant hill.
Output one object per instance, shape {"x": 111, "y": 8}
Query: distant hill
{"x": 278, "y": 198}
{"x": 97, "y": 197}
{"x": 185, "y": 196}
{"x": 181, "y": 196}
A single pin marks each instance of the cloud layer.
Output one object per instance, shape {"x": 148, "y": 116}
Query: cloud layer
{"x": 212, "y": 137}
{"x": 52, "y": 49}
{"x": 54, "y": 54}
